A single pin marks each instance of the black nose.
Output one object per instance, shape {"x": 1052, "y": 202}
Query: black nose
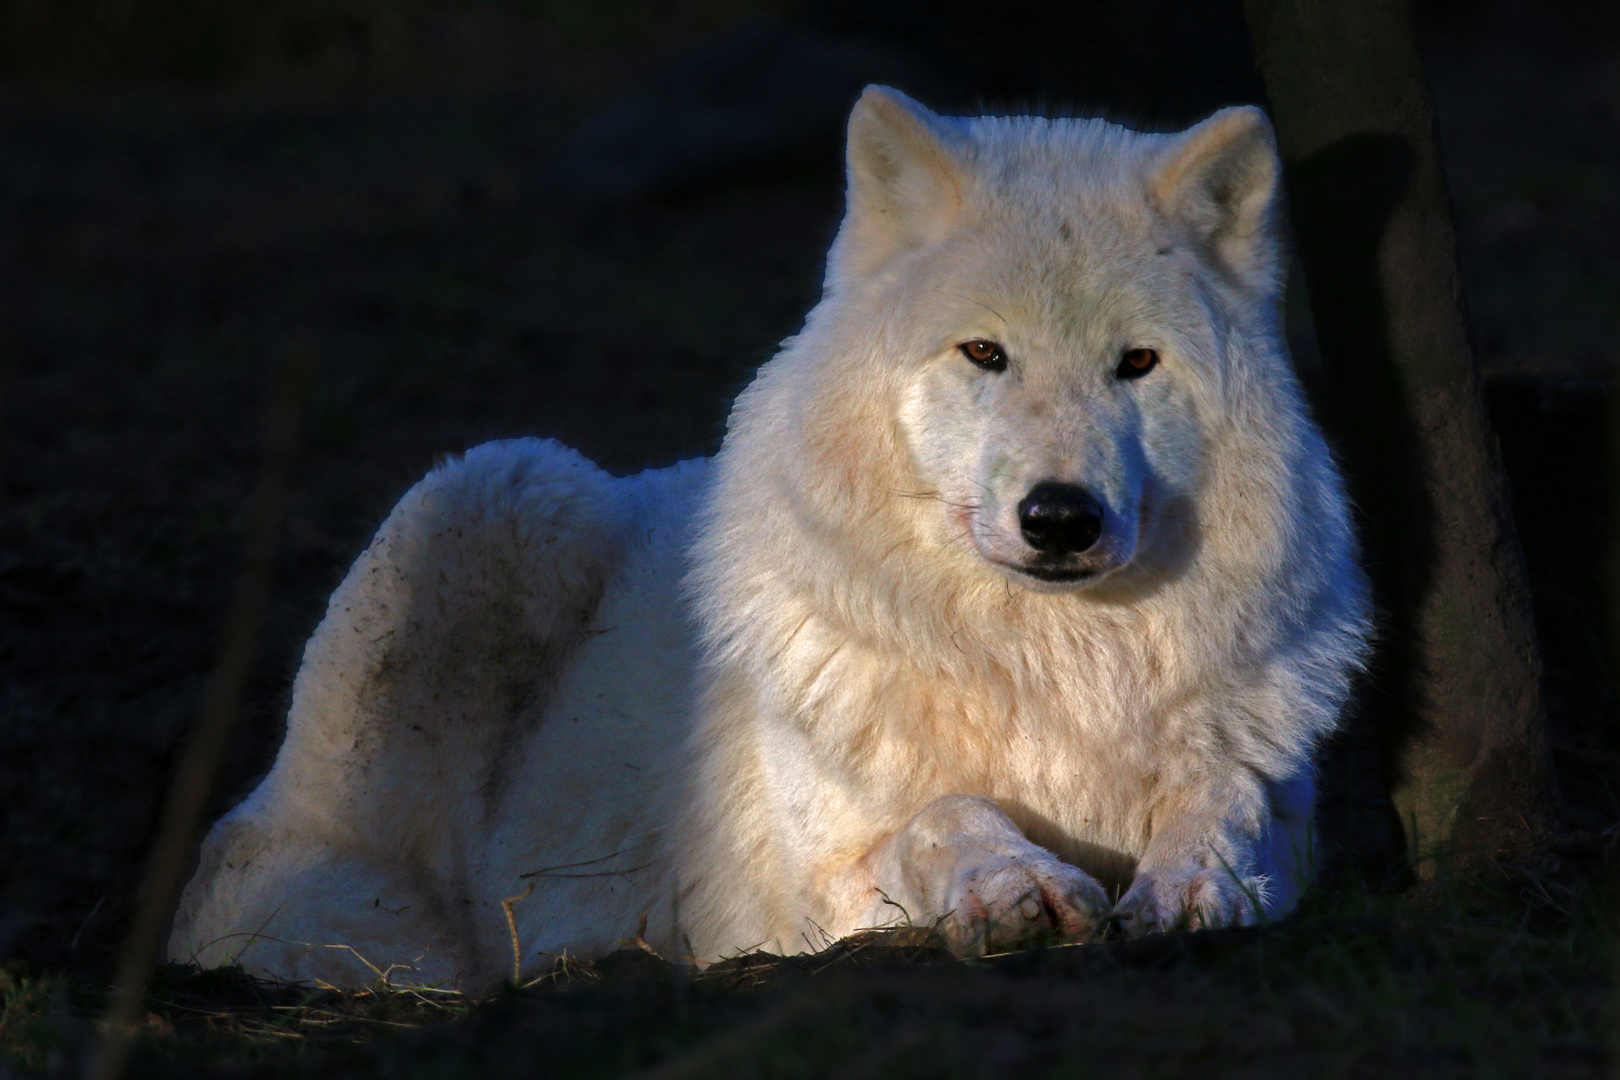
{"x": 1060, "y": 519}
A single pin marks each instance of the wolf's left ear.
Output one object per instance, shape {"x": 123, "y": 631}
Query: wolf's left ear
{"x": 1220, "y": 181}
{"x": 904, "y": 184}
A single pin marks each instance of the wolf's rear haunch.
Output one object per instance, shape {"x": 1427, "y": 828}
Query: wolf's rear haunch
{"x": 1019, "y": 596}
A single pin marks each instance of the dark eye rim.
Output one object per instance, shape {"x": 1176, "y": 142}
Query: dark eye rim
{"x": 995, "y": 361}
{"x": 1137, "y": 362}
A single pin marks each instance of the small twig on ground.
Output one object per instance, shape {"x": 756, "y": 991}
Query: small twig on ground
{"x": 896, "y": 904}
{"x": 640, "y": 940}
{"x": 511, "y": 928}
{"x": 551, "y": 871}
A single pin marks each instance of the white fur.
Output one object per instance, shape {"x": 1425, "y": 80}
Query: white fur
{"x": 860, "y": 708}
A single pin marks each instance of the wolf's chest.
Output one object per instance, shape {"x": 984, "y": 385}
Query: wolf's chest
{"x": 1073, "y": 758}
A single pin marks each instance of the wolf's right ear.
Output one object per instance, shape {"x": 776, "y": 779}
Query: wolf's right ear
{"x": 905, "y": 188}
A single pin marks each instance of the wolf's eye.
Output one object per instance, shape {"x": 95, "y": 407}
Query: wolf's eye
{"x": 986, "y": 354}
{"x": 1136, "y": 363}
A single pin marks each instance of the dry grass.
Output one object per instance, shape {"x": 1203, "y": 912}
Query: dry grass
{"x": 1506, "y": 975}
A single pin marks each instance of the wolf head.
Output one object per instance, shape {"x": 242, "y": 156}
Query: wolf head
{"x": 1042, "y": 345}
{"x": 1038, "y": 312}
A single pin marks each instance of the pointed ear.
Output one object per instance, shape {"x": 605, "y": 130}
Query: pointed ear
{"x": 904, "y": 184}
{"x": 1220, "y": 183}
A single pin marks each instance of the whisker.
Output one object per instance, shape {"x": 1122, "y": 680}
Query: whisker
{"x": 937, "y": 497}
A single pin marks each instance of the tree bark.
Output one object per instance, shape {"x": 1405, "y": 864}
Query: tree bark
{"x": 1455, "y": 688}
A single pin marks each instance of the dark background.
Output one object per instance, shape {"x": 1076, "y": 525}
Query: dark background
{"x": 590, "y": 221}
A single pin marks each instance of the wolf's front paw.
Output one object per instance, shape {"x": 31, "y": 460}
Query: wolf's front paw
{"x": 1191, "y": 899}
{"x": 1007, "y": 901}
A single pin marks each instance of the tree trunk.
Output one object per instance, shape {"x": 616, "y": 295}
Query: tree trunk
{"x": 1454, "y": 690}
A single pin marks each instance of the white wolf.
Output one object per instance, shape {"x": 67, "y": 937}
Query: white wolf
{"x": 1022, "y": 576}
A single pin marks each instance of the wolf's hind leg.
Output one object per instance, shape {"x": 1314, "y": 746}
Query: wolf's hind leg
{"x": 448, "y": 627}
{"x": 281, "y": 907}
{"x": 415, "y": 692}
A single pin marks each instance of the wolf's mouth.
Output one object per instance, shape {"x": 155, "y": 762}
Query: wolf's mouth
{"x": 1057, "y": 575}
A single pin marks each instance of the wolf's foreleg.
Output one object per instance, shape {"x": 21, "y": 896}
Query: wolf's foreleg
{"x": 963, "y": 865}
{"x": 1225, "y": 850}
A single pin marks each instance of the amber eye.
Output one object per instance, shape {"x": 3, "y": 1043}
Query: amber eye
{"x": 1136, "y": 363}
{"x": 986, "y": 354}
